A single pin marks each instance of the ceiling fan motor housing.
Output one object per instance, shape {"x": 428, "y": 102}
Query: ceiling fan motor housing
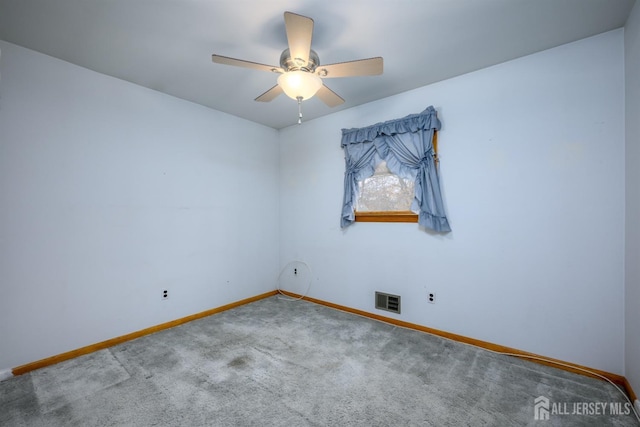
{"x": 292, "y": 64}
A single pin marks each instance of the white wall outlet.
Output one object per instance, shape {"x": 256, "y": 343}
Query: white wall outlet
{"x": 165, "y": 294}
{"x": 431, "y": 297}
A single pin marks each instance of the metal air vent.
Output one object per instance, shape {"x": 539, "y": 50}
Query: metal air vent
{"x": 388, "y": 302}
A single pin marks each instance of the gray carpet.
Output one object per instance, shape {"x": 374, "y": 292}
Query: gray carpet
{"x": 281, "y": 363}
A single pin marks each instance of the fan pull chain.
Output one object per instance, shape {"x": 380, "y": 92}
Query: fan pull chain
{"x": 299, "y": 98}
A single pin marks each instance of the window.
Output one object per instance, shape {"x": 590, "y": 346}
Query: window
{"x": 385, "y": 197}
{"x": 407, "y": 146}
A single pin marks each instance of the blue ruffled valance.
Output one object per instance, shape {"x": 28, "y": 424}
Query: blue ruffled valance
{"x": 406, "y": 145}
{"x": 426, "y": 120}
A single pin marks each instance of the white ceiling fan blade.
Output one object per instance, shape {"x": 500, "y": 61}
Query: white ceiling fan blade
{"x": 299, "y": 33}
{"x": 270, "y": 94}
{"x": 219, "y": 59}
{"x": 329, "y": 97}
{"x": 360, "y": 67}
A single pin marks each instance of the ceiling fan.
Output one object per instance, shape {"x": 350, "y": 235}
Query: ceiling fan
{"x": 300, "y": 71}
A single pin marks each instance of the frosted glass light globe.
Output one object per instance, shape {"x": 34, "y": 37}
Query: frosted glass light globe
{"x": 299, "y": 84}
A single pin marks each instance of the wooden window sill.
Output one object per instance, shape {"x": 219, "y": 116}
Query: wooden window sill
{"x": 399, "y": 216}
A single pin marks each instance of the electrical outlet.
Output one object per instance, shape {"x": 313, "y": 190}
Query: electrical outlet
{"x": 431, "y": 297}
{"x": 295, "y": 271}
{"x": 165, "y": 294}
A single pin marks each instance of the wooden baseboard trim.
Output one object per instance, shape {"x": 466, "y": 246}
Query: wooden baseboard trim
{"x": 632, "y": 395}
{"x": 619, "y": 380}
{"x": 23, "y": 369}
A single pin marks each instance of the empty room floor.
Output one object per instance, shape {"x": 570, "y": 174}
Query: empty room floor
{"x": 295, "y": 363}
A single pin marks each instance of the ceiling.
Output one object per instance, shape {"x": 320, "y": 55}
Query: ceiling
{"x": 166, "y": 45}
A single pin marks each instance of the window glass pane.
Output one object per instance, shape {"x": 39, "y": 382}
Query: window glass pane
{"x": 384, "y": 192}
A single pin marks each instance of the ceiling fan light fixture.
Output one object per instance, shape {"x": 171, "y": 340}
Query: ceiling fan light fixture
{"x": 299, "y": 84}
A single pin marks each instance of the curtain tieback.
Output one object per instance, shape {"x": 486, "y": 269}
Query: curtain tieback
{"x": 426, "y": 161}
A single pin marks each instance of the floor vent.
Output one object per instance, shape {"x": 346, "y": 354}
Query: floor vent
{"x": 388, "y": 302}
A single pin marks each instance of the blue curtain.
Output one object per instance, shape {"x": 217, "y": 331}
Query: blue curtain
{"x": 406, "y": 145}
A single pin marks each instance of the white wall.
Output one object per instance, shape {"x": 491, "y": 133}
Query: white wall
{"x": 109, "y": 193}
{"x": 532, "y": 166}
{"x": 632, "y": 214}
